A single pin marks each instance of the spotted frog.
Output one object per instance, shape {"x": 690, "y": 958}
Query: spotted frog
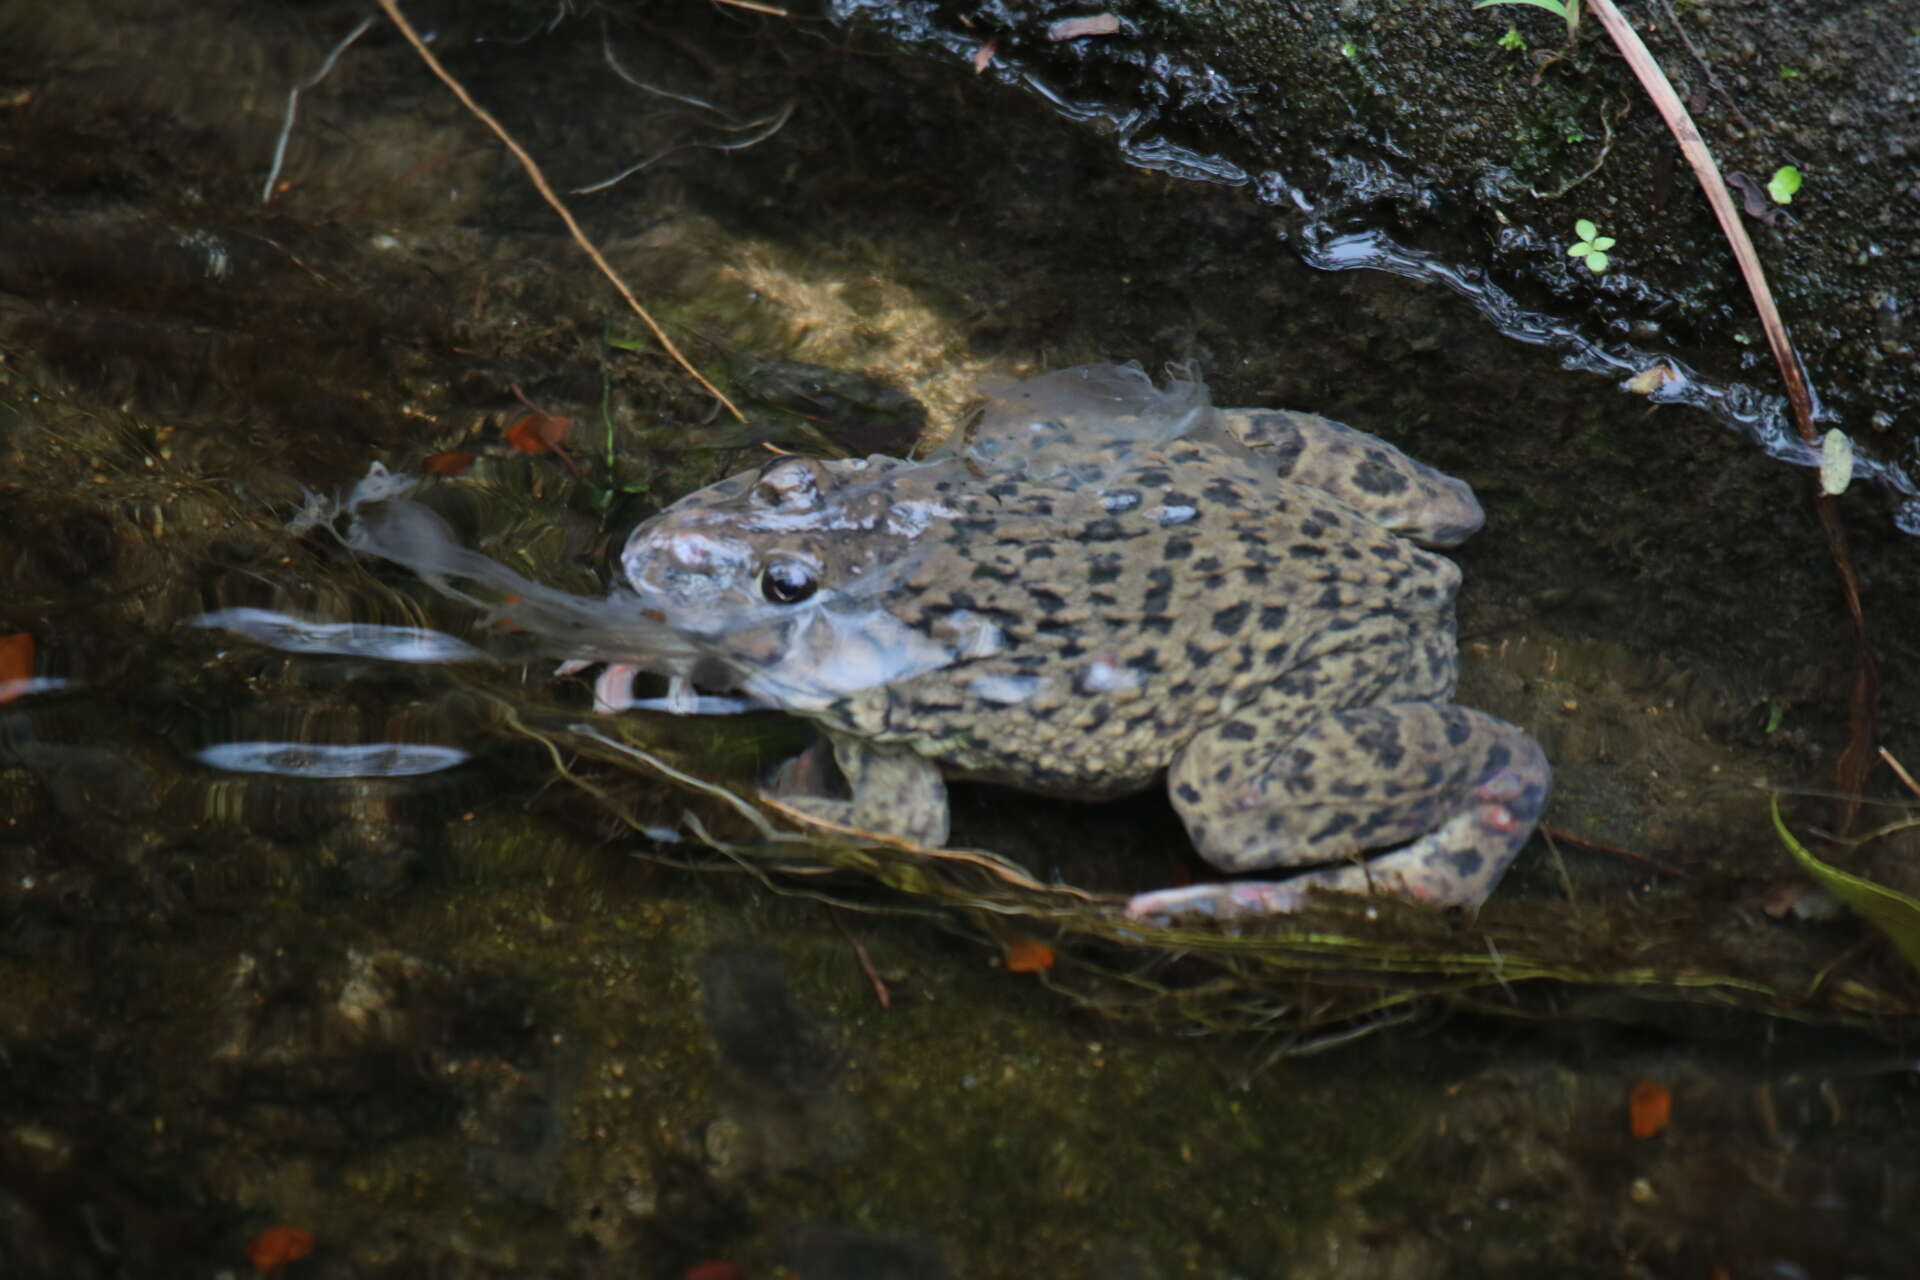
{"x": 1098, "y": 586}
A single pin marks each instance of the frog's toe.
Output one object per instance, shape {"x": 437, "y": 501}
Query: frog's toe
{"x": 1223, "y": 901}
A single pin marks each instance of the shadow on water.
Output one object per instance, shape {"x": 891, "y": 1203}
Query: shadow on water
{"x": 468, "y": 1021}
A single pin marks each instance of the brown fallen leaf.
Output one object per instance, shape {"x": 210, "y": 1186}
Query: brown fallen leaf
{"x": 1754, "y": 201}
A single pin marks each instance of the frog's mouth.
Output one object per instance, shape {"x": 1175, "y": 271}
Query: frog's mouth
{"x": 685, "y": 696}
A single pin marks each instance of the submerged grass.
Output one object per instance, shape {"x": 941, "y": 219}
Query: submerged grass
{"x": 1340, "y": 963}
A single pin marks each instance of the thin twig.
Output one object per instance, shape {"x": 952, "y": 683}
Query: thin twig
{"x": 880, "y": 991}
{"x": 1850, "y": 772}
{"x": 392, "y": 10}
{"x": 293, "y": 104}
{"x": 1900, "y": 771}
{"x": 1613, "y": 850}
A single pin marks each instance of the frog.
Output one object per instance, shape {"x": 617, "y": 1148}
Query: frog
{"x": 1100, "y": 587}
{"x": 1097, "y": 587}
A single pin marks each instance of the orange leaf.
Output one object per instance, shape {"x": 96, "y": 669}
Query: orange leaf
{"x": 537, "y": 432}
{"x": 450, "y": 463}
{"x": 16, "y": 661}
{"x": 275, "y": 1247}
{"x": 712, "y": 1270}
{"x": 1649, "y": 1108}
{"x": 1027, "y": 956}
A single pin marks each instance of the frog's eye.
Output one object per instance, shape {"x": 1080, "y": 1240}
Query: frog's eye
{"x": 787, "y": 582}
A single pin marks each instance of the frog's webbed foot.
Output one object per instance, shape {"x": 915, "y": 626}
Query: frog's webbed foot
{"x": 891, "y": 792}
{"x": 1461, "y": 789}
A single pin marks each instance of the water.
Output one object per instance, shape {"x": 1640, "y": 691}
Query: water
{"x": 530, "y": 1013}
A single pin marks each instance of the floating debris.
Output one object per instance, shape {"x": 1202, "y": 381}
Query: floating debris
{"x": 324, "y": 760}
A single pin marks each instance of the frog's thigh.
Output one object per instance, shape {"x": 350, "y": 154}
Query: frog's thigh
{"x": 1365, "y": 472}
{"x": 892, "y": 792}
{"x": 1464, "y": 787}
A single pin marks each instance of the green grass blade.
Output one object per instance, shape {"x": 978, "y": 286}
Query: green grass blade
{"x": 1894, "y": 913}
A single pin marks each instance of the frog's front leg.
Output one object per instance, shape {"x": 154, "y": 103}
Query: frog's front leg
{"x": 1459, "y": 790}
{"x": 891, "y": 791}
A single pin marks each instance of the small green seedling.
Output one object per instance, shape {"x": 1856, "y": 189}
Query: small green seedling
{"x": 1592, "y": 246}
{"x": 1513, "y": 40}
{"x": 1784, "y": 183}
{"x": 1568, "y": 11}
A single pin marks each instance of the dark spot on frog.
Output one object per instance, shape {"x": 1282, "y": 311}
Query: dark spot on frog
{"x": 1458, "y": 730}
{"x": 1377, "y": 476}
{"x": 1238, "y": 731}
{"x": 1196, "y": 656}
{"x": 1108, "y": 530}
{"x": 1228, "y": 621}
{"x": 1307, "y": 551}
{"x": 1159, "y": 590}
{"x": 1177, "y": 549}
{"x": 1382, "y": 743}
{"x": 1273, "y": 617}
{"x": 1047, "y": 601}
{"x": 1254, "y": 576}
{"x": 1338, "y": 823}
{"x": 1225, "y": 493}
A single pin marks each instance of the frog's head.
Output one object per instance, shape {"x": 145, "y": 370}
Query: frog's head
{"x": 779, "y": 577}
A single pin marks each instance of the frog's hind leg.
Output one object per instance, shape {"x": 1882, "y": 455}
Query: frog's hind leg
{"x": 1458, "y": 790}
{"x": 1399, "y": 493}
{"x": 892, "y": 792}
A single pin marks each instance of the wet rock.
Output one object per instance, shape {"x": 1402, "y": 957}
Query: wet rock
{"x": 781, "y": 1106}
{"x": 766, "y": 1040}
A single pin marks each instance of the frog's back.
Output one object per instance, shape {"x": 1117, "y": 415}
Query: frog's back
{"x": 1105, "y": 623}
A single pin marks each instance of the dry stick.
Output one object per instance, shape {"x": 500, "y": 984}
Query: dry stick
{"x": 1850, "y": 773}
{"x": 392, "y": 10}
